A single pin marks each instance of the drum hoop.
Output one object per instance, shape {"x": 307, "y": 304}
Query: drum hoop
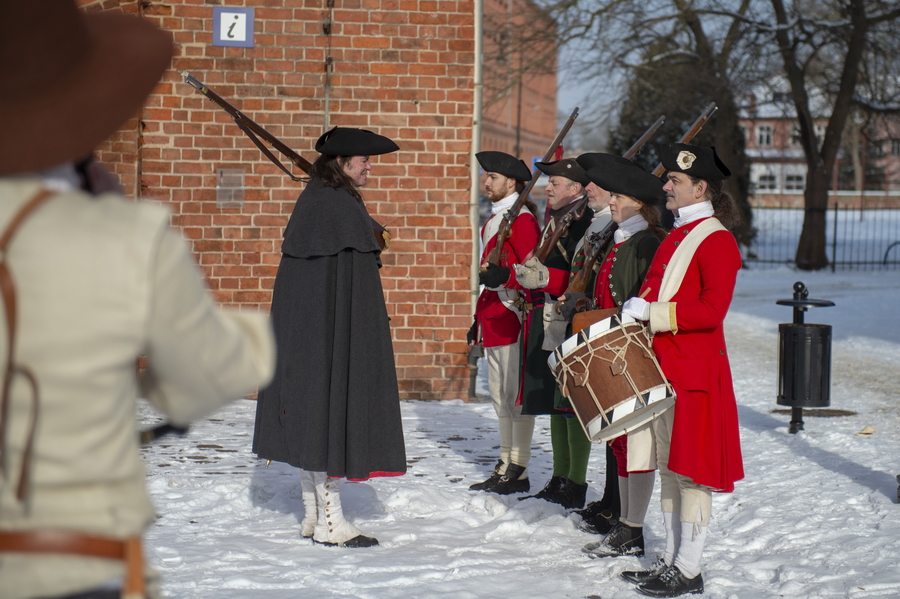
{"x": 564, "y": 370}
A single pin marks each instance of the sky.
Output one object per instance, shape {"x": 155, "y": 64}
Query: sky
{"x": 816, "y": 515}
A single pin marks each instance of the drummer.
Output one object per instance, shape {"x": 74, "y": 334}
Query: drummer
{"x": 636, "y": 197}
{"x": 685, "y": 298}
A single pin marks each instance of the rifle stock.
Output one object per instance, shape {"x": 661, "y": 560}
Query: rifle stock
{"x": 255, "y": 131}
{"x": 566, "y": 215}
{"x": 593, "y": 247}
{"x": 689, "y": 135}
{"x": 511, "y": 214}
{"x": 252, "y": 129}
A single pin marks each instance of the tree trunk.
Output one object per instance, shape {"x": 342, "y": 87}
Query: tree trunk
{"x": 811, "y": 248}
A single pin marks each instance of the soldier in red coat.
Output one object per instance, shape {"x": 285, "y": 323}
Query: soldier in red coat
{"x": 685, "y": 298}
{"x": 498, "y": 317}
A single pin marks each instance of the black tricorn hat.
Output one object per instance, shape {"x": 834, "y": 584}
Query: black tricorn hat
{"x": 630, "y": 180}
{"x": 347, "y": 141}
{"x": 600, "y": 159}
{"x": 567, "y": 167}
{"x": 697, "y": 161}
{"x": 505, "y": 164}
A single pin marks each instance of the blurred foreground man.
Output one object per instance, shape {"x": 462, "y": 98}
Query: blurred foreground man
{"x": 688, "y": 290}
{"x": 90, "y": 283}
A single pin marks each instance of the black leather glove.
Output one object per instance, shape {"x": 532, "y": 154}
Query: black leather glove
{"x": 494, "y": 276}
{"x": 567, "y": 307}
{"x": 472, "y": 334}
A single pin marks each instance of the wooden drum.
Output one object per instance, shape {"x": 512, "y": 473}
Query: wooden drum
{"x": 612, "y": 378}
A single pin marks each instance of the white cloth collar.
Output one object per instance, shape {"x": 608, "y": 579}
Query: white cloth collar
{"x": 689, "y": 214}
{"x": 603, "y": 212}
{"x": 630, "y": 227}
{"x": 61, "y": 178}
{"x": 505, "y": 204}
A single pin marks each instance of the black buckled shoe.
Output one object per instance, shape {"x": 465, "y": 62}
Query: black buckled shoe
{"x": 672, "y": 583}
{"x": 570, "y": 494}
{"x": 549, "y": 490}
{"x": 509, "y": 483}
{"x": 492, "y": 480}
{"x": 642, "y": 576}
{"x": 622, "y": 540}
{"x": 600, "y": 524}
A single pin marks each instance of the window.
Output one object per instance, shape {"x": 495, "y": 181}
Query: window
{"x": 795, "y": 135}
{"x": 793, "y": 182}
{"x": 764, "y": 136}
{"x": 895, "y": 147}
{"x": 767, "y": 182}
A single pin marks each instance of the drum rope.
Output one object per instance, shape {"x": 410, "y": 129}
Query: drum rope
{"x": 618, "y": 352}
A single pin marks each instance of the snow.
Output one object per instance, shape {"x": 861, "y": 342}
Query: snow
{"x": 815, "y": 517}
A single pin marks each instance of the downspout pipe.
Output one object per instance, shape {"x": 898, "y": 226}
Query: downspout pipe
{"x": 474, "y": 181}
{"x": 474, "y": 169}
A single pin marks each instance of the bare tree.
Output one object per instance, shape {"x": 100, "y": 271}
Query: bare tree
{"x": 624, "y": 48}
{"x": 837, "y": 56}
{"x": 832, "y": 46}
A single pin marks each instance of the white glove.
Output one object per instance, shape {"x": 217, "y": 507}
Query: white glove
{"x": 532, "y": 274}
{"x": 637, "y": 307}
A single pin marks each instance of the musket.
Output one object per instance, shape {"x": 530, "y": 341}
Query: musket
{"x": 689, "y": 135}
{"x": 574, "y": 211}
{"x": 596, "y": 243}
{"x": 255, "y": 131}
{"x": 511, "y": 214}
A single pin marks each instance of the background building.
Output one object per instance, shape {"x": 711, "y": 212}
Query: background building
{"x": 403, "y": 68}
{"x": 867, "y": 171}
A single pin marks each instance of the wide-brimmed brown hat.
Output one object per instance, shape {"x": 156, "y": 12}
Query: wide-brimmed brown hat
{"x": 70, "y": 79}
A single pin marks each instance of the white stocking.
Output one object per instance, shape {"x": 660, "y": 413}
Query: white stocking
{"x": 310, "y": 514}
{"x": 693, "y": 538}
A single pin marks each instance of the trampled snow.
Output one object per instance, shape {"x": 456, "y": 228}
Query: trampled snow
{"x": 815, "y": 517}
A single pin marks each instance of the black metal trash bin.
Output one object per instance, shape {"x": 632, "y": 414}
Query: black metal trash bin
{"x": 804, "y": 359}
{"x": 804, "y": 365}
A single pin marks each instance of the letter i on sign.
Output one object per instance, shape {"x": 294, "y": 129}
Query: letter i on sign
{"x": 234, "y": 26}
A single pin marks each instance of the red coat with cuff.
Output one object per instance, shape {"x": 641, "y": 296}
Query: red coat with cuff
{"x": 497, "y": 324}
{"x": 705, "y": 436}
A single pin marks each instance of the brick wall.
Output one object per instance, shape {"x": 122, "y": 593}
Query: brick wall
{"x": 402, "y": 68}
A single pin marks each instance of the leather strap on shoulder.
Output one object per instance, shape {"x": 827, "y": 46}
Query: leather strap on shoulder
{"x": 10, "y": 368}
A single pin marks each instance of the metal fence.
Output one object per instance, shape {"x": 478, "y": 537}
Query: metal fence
{"x": 862, "y": 239}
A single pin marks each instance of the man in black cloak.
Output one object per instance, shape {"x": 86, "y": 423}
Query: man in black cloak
{"x": 333, "y": 408}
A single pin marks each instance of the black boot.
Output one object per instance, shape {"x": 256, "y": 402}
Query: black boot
{"x": 492, "y": 480}
{"x": 642, "y": 576}
{"x": 672, "y": 583}
{"x": 592, "y": 510}
{"x": 549, "y": 490}
{"x": 600, "y": 524}
{"x": 622, "y": 540}
{"x": 570, "y": 494}
{"x": 510, "y": 483}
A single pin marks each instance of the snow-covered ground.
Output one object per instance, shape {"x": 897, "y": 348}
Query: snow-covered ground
{"x": 816, "y": 516}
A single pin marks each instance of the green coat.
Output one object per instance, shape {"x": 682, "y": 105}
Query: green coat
{"x": 632, "y": 260}
{"x": 538, "y": 384}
